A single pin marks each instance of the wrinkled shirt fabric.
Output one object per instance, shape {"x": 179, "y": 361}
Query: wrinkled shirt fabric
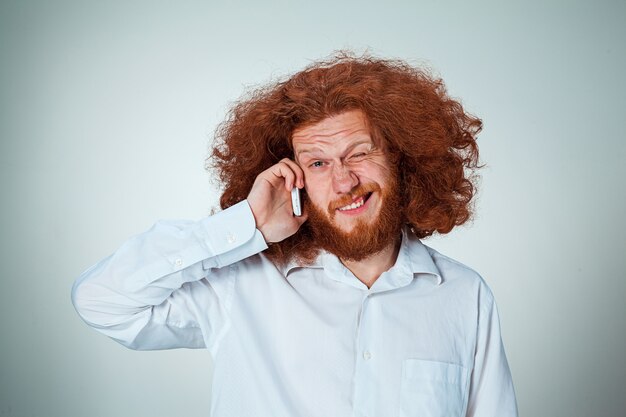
{"x": 310, "y": 340}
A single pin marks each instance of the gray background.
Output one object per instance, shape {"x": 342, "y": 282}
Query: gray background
{"x": 108, "y": 110}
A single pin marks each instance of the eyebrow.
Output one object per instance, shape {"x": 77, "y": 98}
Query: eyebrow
{"x": 310, "y": 150}
{"x": 348, "y": 149}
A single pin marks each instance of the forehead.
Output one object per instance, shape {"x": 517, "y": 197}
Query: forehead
{"x": 344, "y": 126}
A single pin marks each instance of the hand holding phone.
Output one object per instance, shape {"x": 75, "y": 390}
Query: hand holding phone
{"x": 269, "y": 201}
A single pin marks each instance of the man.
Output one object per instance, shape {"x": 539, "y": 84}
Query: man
{"x": 341, "y": 311}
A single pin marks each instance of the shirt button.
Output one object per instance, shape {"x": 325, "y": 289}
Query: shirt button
{"x": 230, "y": 238}
{"x": 367, "y": 355}
{"x": 178, "y": 262}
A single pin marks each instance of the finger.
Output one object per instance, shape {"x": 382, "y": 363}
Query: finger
{"x": 283, "y": 170}
{"x": 297, "y": 171}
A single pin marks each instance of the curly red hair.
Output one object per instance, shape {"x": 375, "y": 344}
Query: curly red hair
{"x": 427, "y": 135}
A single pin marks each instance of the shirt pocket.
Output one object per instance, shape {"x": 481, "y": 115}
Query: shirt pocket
{"x": 432, "y": 389}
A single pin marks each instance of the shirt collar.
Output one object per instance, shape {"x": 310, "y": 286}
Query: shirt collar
{"x": 413, "y": 258}
{"x": 294, "y": 263}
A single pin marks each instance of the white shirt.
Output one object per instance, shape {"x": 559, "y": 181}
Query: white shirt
{"x": 424, "y": 340}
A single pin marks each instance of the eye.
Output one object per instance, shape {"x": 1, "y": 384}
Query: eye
{"x": 317, "y": 164}
{"x": 358, "y": 155}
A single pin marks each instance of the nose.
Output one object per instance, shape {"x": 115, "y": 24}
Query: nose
{"x": 344, "y": 180}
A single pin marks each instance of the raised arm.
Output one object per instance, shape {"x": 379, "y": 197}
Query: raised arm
{"x": 168, "y": 287}
{"x": 163, "y": 288}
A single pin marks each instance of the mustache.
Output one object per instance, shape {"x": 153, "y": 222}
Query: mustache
{"x": 348, "y": 198}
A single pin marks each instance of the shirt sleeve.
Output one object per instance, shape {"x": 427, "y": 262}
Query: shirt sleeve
{"x": 170, "y": 286}
{"x": 491, "y": 386}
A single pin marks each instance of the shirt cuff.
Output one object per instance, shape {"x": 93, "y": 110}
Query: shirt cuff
{"x": 232, "y": 235}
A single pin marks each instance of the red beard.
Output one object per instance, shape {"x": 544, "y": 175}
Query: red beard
{"x": 366, "y": 238}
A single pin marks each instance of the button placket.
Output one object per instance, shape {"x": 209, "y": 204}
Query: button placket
{"x": 364, "y": 394}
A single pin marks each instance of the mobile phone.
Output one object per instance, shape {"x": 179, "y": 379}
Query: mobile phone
{"x": 295, "y": 201}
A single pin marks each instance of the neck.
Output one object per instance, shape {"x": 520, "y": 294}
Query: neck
{"x": 369, "y": 269}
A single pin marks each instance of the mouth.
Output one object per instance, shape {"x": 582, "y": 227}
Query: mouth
{"x": 357, "y": 205}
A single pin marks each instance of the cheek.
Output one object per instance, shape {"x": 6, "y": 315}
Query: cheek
{"x": 372, "y": 172}
{"x": 316, "y": 190}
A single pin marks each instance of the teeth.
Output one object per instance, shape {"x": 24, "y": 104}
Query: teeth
{"x": 354, "y": 205}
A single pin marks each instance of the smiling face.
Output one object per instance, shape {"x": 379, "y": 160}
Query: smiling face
{"x": 352, "y": 193}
